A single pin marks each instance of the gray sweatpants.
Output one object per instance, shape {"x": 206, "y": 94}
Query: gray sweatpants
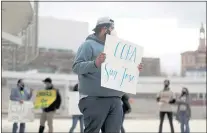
{"x": 105, "y": 114}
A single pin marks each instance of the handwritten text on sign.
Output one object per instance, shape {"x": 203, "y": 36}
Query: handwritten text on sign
{"x": 20, "y": 112}
{"x": 44, "y": 98}
{"x": 119, "y": 71}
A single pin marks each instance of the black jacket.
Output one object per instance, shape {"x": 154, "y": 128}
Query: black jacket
{"x": 55, "y": 105}
{"x": 126, "y": 104}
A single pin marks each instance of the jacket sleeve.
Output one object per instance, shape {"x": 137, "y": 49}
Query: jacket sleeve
{"x": 29, "y": 95}
{"x": 158, "y": 97}
{"x": 173, "y": 99}
{"x": 58, "y": 100}
{"x": 83, "y": 62}
{"x": 13, "y": 96}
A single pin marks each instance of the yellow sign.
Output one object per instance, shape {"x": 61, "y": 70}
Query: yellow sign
{"x": 44, "y": 98}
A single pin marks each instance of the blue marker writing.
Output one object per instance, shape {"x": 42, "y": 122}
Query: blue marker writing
{"x": 125, "y": 76}
{"x": 110, "y": 72}
{"x": 116, "y": 48}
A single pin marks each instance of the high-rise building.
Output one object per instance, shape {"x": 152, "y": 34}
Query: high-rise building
{"x": 194, "y": 62}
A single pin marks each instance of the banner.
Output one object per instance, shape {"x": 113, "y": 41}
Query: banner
{"x": 73, "y": 103}
{"x": 44, "y": 98}
{"x": 20, "y": 112}
{"x": 119, "y": 71}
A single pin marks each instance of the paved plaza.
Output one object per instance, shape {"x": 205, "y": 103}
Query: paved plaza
{"x": 63, "y": 125}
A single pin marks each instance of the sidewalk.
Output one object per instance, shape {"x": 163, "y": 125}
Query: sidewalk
{"x": 63, "y": 125}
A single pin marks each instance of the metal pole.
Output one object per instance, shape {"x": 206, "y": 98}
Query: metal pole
{"x": 36, "y": 11}
{"x": 14, "y": 58}
{"x": 26, "y": 46}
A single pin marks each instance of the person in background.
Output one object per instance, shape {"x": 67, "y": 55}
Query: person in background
{"x": 75, "y": 118}
{"x": 100, "y": 106}
{"x": 126, "y": 109}
{"x": 20, "y": 94}
{"x": 165, "y": 99}
{"x": 184, "y": 110}
{"x": 48, "y": 113}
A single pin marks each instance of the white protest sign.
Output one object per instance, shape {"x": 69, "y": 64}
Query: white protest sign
{"x": 73, "y": 103}
{"x": 119, "y": 71}
{"x": 20, "y": 112}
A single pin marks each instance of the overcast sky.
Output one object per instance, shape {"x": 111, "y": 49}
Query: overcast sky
{"x": 165, "y": 29}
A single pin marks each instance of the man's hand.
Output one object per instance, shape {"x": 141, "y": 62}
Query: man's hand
{"x": 100, "y": 59}
{"x": 31, "y": 90}
{"x": 140, "y": 66}
{"x": 21, "y": 101}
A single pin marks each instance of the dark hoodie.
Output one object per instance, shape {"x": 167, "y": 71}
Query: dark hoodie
{"x": 56, "y": 104}
{"x": 88, "y": 74}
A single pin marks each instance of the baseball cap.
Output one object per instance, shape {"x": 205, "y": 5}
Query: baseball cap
{"x": 104, "y": 20}
{"x": 48, "y": 80}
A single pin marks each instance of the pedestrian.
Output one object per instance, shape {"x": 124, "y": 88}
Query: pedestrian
{"x": 48, "y": 113}
{"x": 20, "y": 94}
{"x": 126, "y": 109}
{"x": 101, "y": 107}
{"x": 165, "y": 99}
{"x": 75, "y": 118}
{"x": 184, "y": 111}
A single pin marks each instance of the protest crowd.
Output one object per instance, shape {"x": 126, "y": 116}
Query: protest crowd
{"x": 102, "y": 88}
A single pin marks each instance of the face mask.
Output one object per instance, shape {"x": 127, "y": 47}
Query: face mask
{"x": 113, "y": 33}
{"x": 184, "y": 92}
{"x": 108, "y": 32}
{"x": 21, "y": 85}
{"x": 48, "y": 86}
{"x": 166, "y": 85}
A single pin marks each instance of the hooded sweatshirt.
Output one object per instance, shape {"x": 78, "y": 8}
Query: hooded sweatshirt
{"x": 88, "y": 74}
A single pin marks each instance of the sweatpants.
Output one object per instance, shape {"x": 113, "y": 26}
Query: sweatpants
{"x": 102, "y": 113}
{"x": 47, "y": 116}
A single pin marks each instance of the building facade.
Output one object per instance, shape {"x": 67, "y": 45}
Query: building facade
{"x": 151, "y": 67}
{"x": 194, "y": 62}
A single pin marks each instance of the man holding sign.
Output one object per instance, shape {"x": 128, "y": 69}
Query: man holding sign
{"x": 48, "y": 112}
{"x": 20, "y": 94}
{"x": 101, "y": 106}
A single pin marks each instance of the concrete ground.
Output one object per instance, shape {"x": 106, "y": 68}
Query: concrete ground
{"x": 137, "y": 125}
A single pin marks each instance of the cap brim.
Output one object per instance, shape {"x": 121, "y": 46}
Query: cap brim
{"x": 94, "y": 29}
{"x": 43, "y": 81}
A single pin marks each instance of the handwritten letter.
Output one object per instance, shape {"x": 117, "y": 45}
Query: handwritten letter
{"x": 119, "y": 71}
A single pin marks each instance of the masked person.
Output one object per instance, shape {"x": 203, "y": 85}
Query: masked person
{"x": 126, "y": 109}
{"x": 20, "y": 94}
{"x": 75, "y": 118}
{"x": 48, "y": 113}
{"x": 101, "y": 107}
{"x": 165, "y": 98}
{"x": 184, "y": 111}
